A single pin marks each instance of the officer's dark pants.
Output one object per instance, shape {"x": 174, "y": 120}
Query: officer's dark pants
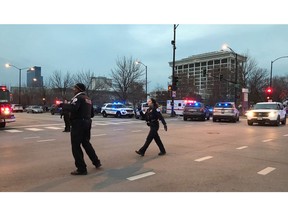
{"x": 153, "y": 134}
{"x": 80, "y": 134}
{"x": 67, "y": 122}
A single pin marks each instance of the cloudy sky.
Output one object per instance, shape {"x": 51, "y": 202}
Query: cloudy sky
{"x": 96, "y": 47}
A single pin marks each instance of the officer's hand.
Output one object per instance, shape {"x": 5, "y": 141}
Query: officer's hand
{"x": 165, "y": 127}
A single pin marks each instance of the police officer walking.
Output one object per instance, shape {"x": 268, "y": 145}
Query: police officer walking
{"x": 152, "y": 116}
{"x": 81, "y": 111}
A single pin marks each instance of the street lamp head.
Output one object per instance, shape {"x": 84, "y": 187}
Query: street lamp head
{"x": 137, "y": 62}
{"x": 7, "y": 65}
{"x": 32, "y": 68}
{"x": 224, "y": 47}
{"x": 34, "y": 79}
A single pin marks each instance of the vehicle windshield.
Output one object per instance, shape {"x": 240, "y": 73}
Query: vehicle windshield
{"x": 266, "y": 106}
{"x": 4, "y": 96}
{"x": 224, "y": 105}
{"x": 36, "y": 107}
{"x": 117, "y": 106}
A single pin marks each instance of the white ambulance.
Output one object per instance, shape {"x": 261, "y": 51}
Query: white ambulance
{"x": 178, "y": 106}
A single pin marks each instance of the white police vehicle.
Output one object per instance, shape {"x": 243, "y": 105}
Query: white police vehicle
{"x": 141, "y": 110}
{"x": 267, "y": 113}
{"x": 116, "y": 109}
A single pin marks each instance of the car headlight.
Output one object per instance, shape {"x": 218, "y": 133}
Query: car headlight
{"x": 272, "y": 114}
{"x": 250, "y": 114}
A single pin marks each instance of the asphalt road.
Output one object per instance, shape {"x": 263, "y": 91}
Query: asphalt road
{"x": 35, "y": 156}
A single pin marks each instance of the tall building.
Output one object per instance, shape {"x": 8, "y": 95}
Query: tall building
{"x": 210, "y": 75}
{"x": 101, "y": 83}
{"x": 34, "y": 78}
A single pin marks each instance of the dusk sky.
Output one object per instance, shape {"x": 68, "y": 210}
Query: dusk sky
{"x": 74, "y": 48}
{"x": 31, "y": 35}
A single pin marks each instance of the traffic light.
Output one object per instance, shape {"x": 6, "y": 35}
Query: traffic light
{"x": 204, "y": 73}
{"x": 220, "y": 77}
{"x": 169, "y": 87}
{"x": 269, "y": 92}
{"x": 175, "y": 81}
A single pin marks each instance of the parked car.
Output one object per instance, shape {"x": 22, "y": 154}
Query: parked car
{"x": 54, "y": 109}
{"x": 97, "y": 109}
{"x": 267, "y": 113}
{"x": 34, "y": 109}
{"x": 17, "y": 108}
{"x": 195, "y": 110}
{"x": 225, "y": 111}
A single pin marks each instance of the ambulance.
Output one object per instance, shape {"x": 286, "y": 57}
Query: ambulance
{"x": 6, "y": 115}
{"x": 178, "y": 106}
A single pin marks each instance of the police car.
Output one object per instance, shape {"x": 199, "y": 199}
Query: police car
{"x": 267, "y": 113}
{"x": 116, "y": 109}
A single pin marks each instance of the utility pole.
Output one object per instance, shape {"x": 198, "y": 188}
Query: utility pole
{"x": 174, "y": 87}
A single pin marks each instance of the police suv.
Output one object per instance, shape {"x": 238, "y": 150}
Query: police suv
{"x": 116, "y": 109}
{"x": 267, "y": 112}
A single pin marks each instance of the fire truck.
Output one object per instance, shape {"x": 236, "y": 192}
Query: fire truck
{"x": 6, "y": 115}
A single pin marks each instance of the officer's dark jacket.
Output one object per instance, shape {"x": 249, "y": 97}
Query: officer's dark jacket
{"x": 80, "y": 107}
{"x": 153, "y": 115}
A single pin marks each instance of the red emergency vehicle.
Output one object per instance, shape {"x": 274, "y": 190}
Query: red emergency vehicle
{"x": 6, "y": 115}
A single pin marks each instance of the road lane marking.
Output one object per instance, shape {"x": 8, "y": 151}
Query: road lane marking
{"x": 97, "y": 135}
{"x": 203, "y": 159}
{"x": 143, "y": 175}
{"x": 36, "y": 137}
{"x": 242, "y": 147}
{"x": 285, "y": 135}
{"x": 268, "y": 140}
{"x": 118, "y": 129}
{"x": 53, "y": 128}
{"x": 48, "y": 140}
{"x": 136, "y": 131}
{"x": 34, "y": 129}
{"x": 266, "y": 171}
{"x": 13, "y": 131}
{"x": 100, "y": 124}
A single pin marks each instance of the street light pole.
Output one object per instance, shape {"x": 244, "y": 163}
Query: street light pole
{"x": 19, "y": 88}
{"x": 272, "y": 68}
{"x": 225, "y": 46}
{"x": 146, "y": 93}
{"x": 173, "y": 42}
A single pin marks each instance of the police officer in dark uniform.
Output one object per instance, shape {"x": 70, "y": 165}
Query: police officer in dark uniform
{"x": 153, "y": 115}
{"x": 81, "y": 111}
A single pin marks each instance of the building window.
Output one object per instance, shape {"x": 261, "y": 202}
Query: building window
{"x": 210, "y": 62}
{"x": 217, "y": 61}
{"x": 197, "y": 64}
{"x": 224, "y": 60}
{"x": 203, "y": 63}
{"x": 186, "y": 66}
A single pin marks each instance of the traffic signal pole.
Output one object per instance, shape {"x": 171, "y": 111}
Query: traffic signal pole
{"x": 173, "y": 42}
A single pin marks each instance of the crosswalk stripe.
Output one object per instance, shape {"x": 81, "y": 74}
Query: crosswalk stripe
{"x": 53, "y": 128}
{"x": 34, "y": 129}
{"x": 13, "y": 131}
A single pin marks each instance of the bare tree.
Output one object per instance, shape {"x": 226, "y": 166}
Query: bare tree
{"x": 124, "y": 76}
{"x": 61, "y": 84}
{"x": 85, "y": 78}
{"x": 257, "y": 82}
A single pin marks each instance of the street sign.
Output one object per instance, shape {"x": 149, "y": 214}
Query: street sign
{"x": 173, "y": 94}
